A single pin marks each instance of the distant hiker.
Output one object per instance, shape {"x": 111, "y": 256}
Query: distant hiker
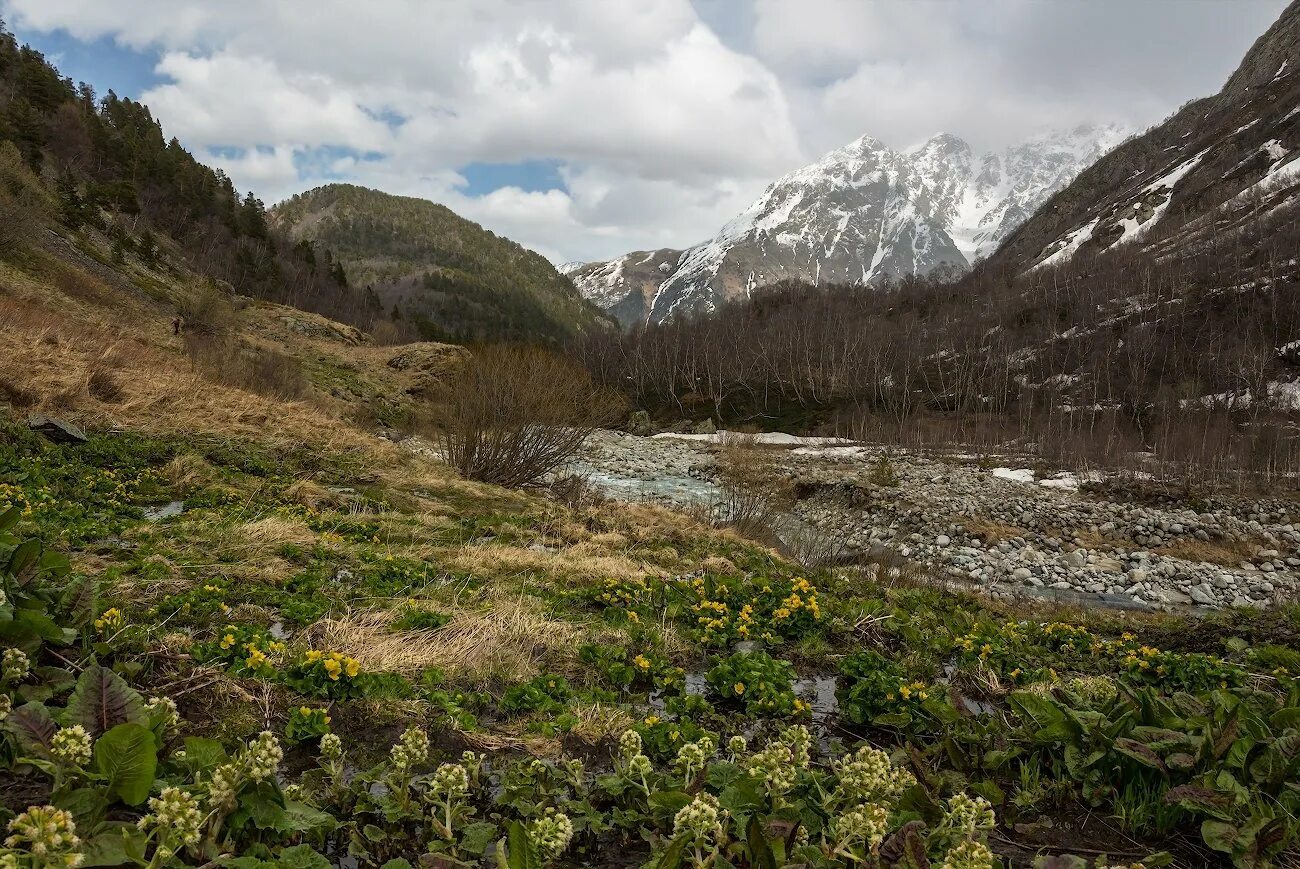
{"x": 176, "y": 325}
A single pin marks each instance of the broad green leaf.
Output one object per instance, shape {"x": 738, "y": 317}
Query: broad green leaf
{"x": 9, "y": 518}
{"x": 103, "y": 700}
{"x": 23, "y": 558}
{"x": 203, "y": 754}
{"x": 475, "y": 838}
{"x": 301, "y": 857}
{"x": 119, "y": 845}
{"x": 33, "y": 726}
{"x": 1219, "y": 835}
{"x": 520, "y": 851}
{"x": 127, "y": 757}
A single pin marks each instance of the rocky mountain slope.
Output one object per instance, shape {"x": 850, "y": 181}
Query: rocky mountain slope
{"x": 863, "y": 213}
{"x": 1215, "y": 166}
{"x": 456, "y": 280}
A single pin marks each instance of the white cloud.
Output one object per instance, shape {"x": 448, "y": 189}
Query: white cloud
{"x": 666, "y": 116}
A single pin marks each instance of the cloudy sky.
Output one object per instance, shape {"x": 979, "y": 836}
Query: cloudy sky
{"x": 587, "y": 128}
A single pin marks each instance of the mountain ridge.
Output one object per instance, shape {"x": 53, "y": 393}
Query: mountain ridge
{"x": 862, "y": 213}
{"x": 455, "y": 279}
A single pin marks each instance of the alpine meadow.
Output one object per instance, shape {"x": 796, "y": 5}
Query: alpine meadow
{"x": 930, "y": 501}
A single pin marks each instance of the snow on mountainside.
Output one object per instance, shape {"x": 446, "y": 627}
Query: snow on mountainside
{"x": 863, "y": 213}
{"x": 1212, "y": 169}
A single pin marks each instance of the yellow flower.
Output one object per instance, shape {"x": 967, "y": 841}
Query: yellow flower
{"x": 312, "y": 656}
{"x": 304, "y": 710}
{"x": 651, "y": 720}
{"x": 905, "y": 691}
{"x": 227, "y": 641}
{"x": 739, "y": 687}
{"x": 333, "y": 668}
{"x": 642, "y": 662}
{"x": 633, "y": 617}
{"x": 352, "y": 668}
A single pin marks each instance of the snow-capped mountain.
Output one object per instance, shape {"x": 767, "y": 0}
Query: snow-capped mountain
{"x": 1211, "y": 170}
{"x": 863, "y": 213}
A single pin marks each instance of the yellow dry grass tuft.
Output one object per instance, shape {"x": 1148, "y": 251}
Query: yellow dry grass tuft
{"x": 581, "y": 562}
{"x": 188, "y": 471}
{"x": 311, "y": 494}
{"x": 263, "y": 537}
{"x": 504, "y": 641}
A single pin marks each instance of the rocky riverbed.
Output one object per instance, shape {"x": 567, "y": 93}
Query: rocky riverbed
{"x": 1008, "y": 529}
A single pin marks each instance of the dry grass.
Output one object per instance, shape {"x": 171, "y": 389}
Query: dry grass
{"x": 311, "y": 494}
{"x": 504, "y": 641}
{"x": 103, "y": 375}
{"x": 187, "y": 472}
{"x": 989, "y": 530}
{"x": 1228, "y": 553}
{"x": 581, "y": 562}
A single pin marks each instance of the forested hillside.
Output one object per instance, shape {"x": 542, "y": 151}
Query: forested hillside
{"x": 447, "y": 276}
{"x": 114, "y": 172}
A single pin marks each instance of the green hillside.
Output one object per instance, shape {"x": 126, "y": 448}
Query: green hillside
{"x": 454, "y": 279}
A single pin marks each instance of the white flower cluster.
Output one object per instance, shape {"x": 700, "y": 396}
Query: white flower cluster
{"x": 176, "y": 813}
{"x": 164, "y": 709}
{"x": 774, "y": 765}
{"x": 71, "y": 745}
{"x": 799, "y": 741}
{"x": 412, "y": 749}
{"x": 48, "y": 834}
{"x": 257, "y": 761}
{"x": 690, "y": 759}
{"x": 639, "y": 766}
{"x": 6, "y": 706}
{"x": 699, "y": 820}
{"x": 968, "y": 855}
{"x": 969, "y": 817}
{"x": 868, "y": 776}
{"x": 1093, "y": 690}
{"x": 864, "y": 825}
{"x": 263, "y": 756}
{"x": 736, "y": 746}
{"x": 331, "y": 747}
{"x": 451, "y": 781}
{"x": 14, "y": 665}
{"x": 551, "y": 833}
{"x": 629, "y": 744}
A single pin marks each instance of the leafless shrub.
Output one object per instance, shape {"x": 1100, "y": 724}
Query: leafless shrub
{"x": 754, "y": 493}
{"x": 811, "y": 548}
{"x": 513, "y": 414}
{"x": 576, "y": 491}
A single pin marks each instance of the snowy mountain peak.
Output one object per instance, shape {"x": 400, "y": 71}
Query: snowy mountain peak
{"x": 862, "y": 213}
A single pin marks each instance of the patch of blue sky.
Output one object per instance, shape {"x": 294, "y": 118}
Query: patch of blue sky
{"x": 531, "y": 176}
{"x": 102, "y": 63}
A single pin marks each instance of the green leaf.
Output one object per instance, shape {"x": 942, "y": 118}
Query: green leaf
{"x": 33, "y": 726}
{"x": 475, "y": 838}
{"x": 301, "y": 857}
{"x": 120, "y": 845}
{"x": 1284, "y": 718}
{"x": 1036, "y": 710}
{"x": 203, "y": 754}
{"x": 520, "y": 851}
{"x": 23, "y": 557}
{"x": 127, "y": 757}
{"x": 760, "y": 852}
{"x": 1219, "y": 835}
{"x": 102, "y": 700}
{"x": 9, "y": 518}
{"x": 399, "y": 863}
{"x": 673, "y": 854}
{"x": 302, "y": 818}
